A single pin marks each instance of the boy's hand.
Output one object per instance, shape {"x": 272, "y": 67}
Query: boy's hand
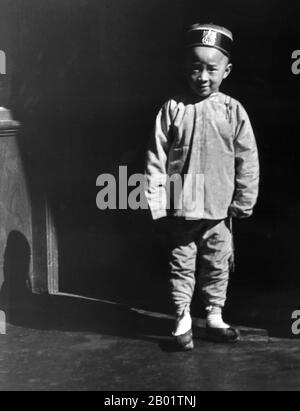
{"x": 236, "y": 212}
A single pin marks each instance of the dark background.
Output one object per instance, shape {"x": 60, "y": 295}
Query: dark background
{"x": 86, "y": 79}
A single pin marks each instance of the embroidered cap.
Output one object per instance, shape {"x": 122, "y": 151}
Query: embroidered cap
{"x": 210, "y": 35}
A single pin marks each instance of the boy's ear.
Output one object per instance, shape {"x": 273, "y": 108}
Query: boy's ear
{"x": 227, "y": 70}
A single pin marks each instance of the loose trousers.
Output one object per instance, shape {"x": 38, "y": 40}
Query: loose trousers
{"x": 199, "y": 255}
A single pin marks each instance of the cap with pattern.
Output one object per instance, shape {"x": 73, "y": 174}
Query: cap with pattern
{"x": 210, "y": 35}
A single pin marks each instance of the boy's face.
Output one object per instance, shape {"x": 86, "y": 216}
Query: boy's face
{"x": 206, "y": 68}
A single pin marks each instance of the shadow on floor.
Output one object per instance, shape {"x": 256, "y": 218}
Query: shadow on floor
{"x": 63, "y": 313}
{"x": 68, "y": 313}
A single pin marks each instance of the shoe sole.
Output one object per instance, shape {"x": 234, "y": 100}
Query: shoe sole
{"x": 222, "y": 338}
{"x": 181, "y": 341}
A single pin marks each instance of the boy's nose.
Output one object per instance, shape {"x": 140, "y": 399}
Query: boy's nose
{"x": 203, "y": 76}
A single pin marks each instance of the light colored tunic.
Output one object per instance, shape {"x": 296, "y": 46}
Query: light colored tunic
{"x": 208, "y": 150}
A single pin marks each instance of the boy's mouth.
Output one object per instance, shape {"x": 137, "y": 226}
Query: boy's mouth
{"x": 203, "y": 88}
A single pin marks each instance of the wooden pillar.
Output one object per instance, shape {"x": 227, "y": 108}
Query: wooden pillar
{"x": 28, "y": 251}
{"x": 15, "y": 207}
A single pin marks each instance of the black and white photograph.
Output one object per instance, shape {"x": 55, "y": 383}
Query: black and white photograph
{"x": 149, "y": 198}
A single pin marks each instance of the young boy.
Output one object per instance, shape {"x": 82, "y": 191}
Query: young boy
{"x": 202, "y": 141}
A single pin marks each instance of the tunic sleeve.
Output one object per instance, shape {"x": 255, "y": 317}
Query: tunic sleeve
{"x": 156, "y": 163}
{"x": 246, "y": 168}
